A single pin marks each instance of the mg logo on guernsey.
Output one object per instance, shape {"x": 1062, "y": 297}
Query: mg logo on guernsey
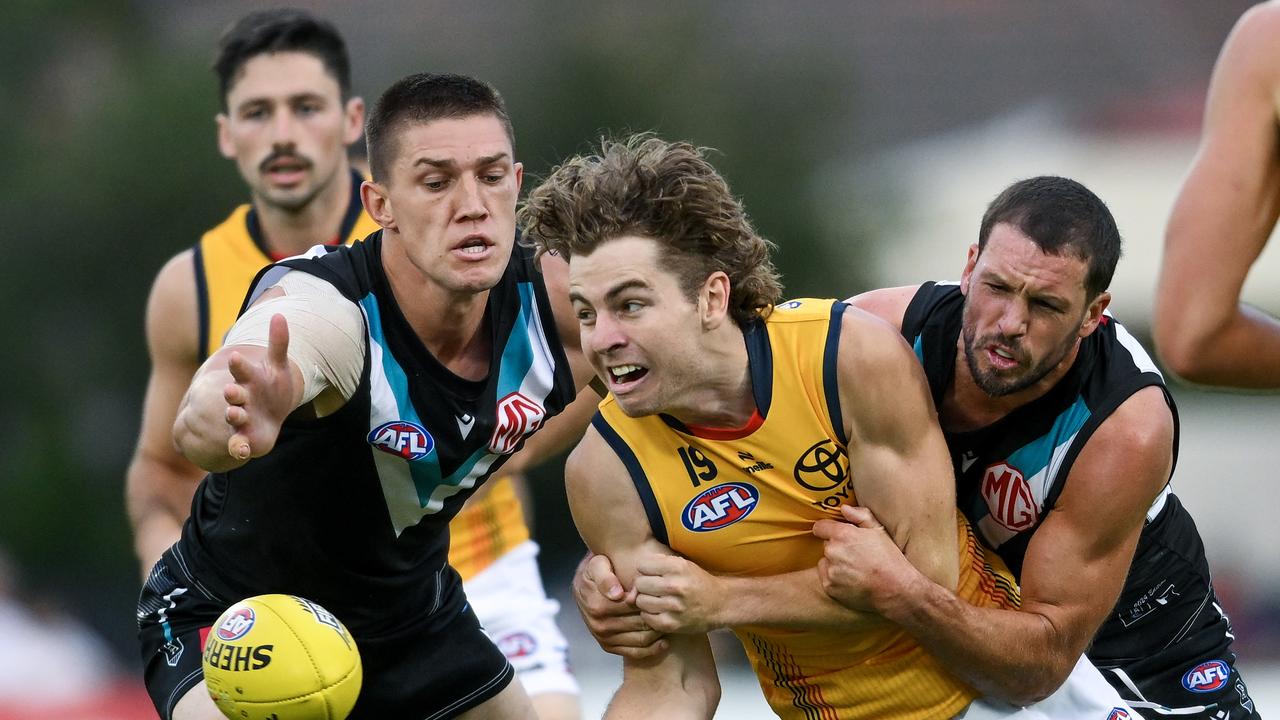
{"x": 1009, "y": 497}
{"x": 720, "y": 506}
{"x": 1207, "y": 677}
{"x": 403, "y": 438}
{"x": 517, "y": 416}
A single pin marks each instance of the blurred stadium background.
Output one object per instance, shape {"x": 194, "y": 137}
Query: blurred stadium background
{"x": 865, "y": 138}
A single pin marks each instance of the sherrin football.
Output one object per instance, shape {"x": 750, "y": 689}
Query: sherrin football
{"x": 280, "y": 657}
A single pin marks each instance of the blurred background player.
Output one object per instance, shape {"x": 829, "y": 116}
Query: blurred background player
{"x": 288, "y": 120}
{"x": 1223, "y": 217}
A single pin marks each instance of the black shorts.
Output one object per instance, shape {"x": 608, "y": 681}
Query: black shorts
{"x": 430, "y": 670}
{"x": 1167, "y": 647}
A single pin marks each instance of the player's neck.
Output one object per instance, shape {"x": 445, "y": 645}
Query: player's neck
{"x": 451, "y": 325}
{"x": 720, "y": 393}
{"x": 288, "y": 232}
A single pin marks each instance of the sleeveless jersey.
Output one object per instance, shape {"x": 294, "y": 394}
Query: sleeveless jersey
{"x": 229, "y": 256}
{"x": 351, "y": 510}
{"x": 744, "y": 503}
{"x": 1010, "y": 474}
{"x": 227, "y": 259}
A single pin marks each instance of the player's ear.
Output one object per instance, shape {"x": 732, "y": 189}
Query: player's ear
{"x": 714, "y": 300}
{"x": 378, "y": 204}
{"x": 1093, "y": 313}
{"x": 225, "y": 146}
{"x": 353, "y": 121}
{"x": 968, "y": 268}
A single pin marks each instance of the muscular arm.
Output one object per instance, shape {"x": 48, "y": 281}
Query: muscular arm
{"x": 682, "y": 682}
{"x": 160, "y": 481}
{"x": 1221, "y": 221}
{"x": 1072, "y": 573}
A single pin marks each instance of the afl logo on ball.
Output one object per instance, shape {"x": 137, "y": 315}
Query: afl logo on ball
{"x": 1009, "y": 497}
{"x": 1207, "y": 677}
{"x": 403, "y": 438}
{"x": 720, "y": 506}
{"x": 236, "y": 625}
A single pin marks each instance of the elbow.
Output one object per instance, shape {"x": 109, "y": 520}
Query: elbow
{"x": 1034, "y": 685}
{"x": 1182, "y": 349}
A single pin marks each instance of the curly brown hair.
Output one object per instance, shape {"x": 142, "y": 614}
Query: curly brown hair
{"x": 668, "y": 191}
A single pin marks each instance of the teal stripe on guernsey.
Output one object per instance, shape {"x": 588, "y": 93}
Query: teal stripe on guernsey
{"x": 918, "y": 346}
{"x": 425, "y": 471}
{"x": 1035, "y": 456}
{"x": 517, "y": 356}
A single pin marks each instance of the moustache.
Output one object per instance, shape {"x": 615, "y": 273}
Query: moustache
{"x": 283, "y": 155}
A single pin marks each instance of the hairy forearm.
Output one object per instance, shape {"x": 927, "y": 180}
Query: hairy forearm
{"x": 794, "y": 601}
{"x": 1015, "y": 655}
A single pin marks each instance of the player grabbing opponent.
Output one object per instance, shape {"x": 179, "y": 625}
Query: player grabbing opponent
{"x": 1062, "y": 436}
{"x": 732, "y": 427}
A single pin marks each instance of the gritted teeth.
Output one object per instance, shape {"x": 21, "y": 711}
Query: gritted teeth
{"x": 621, "y": 370}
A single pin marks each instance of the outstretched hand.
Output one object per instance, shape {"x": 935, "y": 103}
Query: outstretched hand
{"x": 861, "y": 567}
{"x": 261, "y": 395}
{"x": 609, "y": 611}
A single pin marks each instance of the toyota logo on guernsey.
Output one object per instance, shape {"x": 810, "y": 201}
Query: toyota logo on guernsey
{"x": 720, "y": 506}
{"x": 236, "y": 625}
{"x": 402, "y": 438}
{"x": 1207, "y": 677}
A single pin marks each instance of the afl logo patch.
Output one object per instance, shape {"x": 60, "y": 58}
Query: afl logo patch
{"x": 1009, "y": 497}
{"x": 790, "y": 305}
{"x": 517, "y": 645}
{"x": 237, "y": 625}
{"x": 720, "y": 506}
{"x": 1119, "y": 714}
{"x": 402, "y": 438}
{"x": 1207, "y": 677}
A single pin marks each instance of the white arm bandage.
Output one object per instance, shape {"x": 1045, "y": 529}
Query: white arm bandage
{"x": 326, "y": 333}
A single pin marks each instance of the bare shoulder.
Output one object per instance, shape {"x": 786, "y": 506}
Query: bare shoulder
{"x": 1125, "y": 464}
{"x": 882, "y": 387}
{"x": 172, "y": 316}
{"x": 605, "y": 505}
{"x": 869, "y": 343}
{"x": 888, "y": 304}
{"x": 1142, "y": 424}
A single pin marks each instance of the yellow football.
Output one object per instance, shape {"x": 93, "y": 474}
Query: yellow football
{"x": 280, "y": 657}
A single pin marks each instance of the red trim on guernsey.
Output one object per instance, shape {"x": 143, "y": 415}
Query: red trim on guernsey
{"x": 709, "y": 433}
